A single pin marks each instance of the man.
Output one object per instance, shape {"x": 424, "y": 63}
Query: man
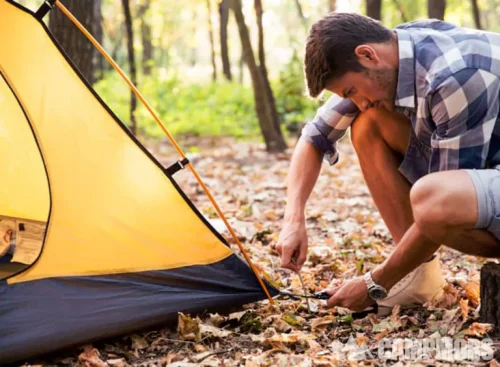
{"x": 422, "y": 102}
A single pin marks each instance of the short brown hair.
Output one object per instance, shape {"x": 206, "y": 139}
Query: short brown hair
{"x": 330, "y": 47}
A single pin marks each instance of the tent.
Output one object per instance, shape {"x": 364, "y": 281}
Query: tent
{"x": 120, "y": 246}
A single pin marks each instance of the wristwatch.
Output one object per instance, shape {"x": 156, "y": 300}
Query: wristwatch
{"x": 375, "y": 291}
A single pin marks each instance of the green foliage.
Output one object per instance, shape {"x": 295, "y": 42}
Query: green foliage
{"x": 294, "y": 106}
{"x": 209, "y": 109}
{"x": 205, "y": 108}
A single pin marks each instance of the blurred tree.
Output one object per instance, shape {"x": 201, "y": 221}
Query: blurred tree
{"x": 301, "y": 13}
{"x": 268, "y": 118}
{"x": 436, "y": 8}
{"x": 71, "y": 39}
{"x": 223, "y": 22}
{"x": 131, "y": 61}
{"x": 147, "y": 45}
{"x": 212, "y": 45}
{"x": 477, "y": 14}
{"x": 332, "y": 5}
{"x": 374, "y": 9}
{"x": 100, "y": 62}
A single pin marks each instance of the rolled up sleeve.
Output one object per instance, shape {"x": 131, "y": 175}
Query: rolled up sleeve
{"x": 329, "y": 125}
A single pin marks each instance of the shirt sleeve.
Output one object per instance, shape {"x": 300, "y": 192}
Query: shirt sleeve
{"x": 330, "y": 123}
{"x": 464, "y": 109}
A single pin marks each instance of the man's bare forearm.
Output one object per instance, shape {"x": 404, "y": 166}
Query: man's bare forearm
{"x": 302, "y": 176}
{"x": 413, "y": 249}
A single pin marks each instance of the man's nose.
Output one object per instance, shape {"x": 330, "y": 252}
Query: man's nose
{"x": 361, "y": 103}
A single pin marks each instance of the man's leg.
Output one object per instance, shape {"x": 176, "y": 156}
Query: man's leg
{"x": 380, "y": 139}
{"x": 446, "y": 210}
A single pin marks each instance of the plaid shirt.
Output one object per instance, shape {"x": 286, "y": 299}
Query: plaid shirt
{"x": 448, "y": 85}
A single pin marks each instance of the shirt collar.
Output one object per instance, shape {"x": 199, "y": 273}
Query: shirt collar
{"x": 405, "y": 90}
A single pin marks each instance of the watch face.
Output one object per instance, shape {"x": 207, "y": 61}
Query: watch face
{"x": 377, "y": 293}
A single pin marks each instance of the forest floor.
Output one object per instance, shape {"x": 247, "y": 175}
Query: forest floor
{"x": 347, "y": 237}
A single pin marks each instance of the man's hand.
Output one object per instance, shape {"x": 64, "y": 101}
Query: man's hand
{"x": 352, "y": 295}
{"x": 292, "y": 244}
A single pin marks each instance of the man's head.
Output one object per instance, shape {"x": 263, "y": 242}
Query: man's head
{"x": 353, "y": 56}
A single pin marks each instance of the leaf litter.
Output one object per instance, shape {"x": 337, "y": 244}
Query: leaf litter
{"x": 347, "y": 237}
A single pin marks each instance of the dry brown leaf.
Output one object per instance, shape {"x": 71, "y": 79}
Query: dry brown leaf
{"x": 464, "y": 308}
{"x": 478, "y": 329}
{"x": 118, "y": 362}
{"x": 188, "y": 328}
{"x": 472, "y": 291}
{"x": 90, "y": 357}
{"x": 173, "y": 357}
{"x": 321, "y": 323}
{"x": 200, "y": 348}
{"x": 212, "y": 331}
{"x": 138, "y": 342}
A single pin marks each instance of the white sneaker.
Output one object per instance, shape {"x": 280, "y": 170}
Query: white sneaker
{"x": 422, "y": 285}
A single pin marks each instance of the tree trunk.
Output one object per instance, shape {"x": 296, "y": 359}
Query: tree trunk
{"x": 259, "y": 11}
{"x": 374, "y": 9}
{"x": 477, "y": 14}
{"x": 436, "y": 8}
{"x": 147, "y": 46}
{"x": 99, "y": 60}
{"x": 490, "y": 294}
{"x": 75, "y": 44}
{"x": 272, "y": 136}
{"x": 224, "y": 20}
{"x": 332, "y": 5}
{"x": 302, "y": 17}
{"x": 131, "y": 61}
{"x": 212, "y": 45}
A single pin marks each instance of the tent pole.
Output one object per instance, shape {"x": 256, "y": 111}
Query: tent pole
{"x": 172, "y": 140}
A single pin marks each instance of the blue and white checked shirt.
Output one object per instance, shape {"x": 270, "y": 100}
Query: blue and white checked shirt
{"x": 448, "y": 84}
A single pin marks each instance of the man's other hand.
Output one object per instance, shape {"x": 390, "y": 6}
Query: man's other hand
{"x": 292, "y": 245}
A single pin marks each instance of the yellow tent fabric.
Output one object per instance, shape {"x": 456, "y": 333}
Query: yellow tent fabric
{"x": 112, "y": 208}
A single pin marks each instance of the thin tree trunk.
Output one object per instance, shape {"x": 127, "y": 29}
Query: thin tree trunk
{"x": 436, "y": 8}
{"x": 259, "y": 11}
{"x": 131, "y": 60}
{"x": 71, "y": 39}
{"x": 212, "y": 45}
{"x": 99, "y": 60}
{"x": 224, "y": 20}
{"x": 401, "y": 10}
{"x": 477, "y": 14}
{"x": 272, "y": 136}
{"x": 301, "y": 13}
{"x": 374, "y": 9}
{"x": 332, "y": 5}
{"x": 147, "y": 46}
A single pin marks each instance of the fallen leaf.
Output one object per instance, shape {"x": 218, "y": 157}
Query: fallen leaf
{"x": 213, "y": 331}
{"x": 188, "y": 328}
{"x": 138, "y": 342}
{"x": 90, "y": 357}
{"x": 322, "y": 322}
{"x": 478, "y": 329}
{"x": 464, "y": 308}
{"x": 118, "y": 362}
{"x": 472, "y": 291}
{"x": 292, "y": 319}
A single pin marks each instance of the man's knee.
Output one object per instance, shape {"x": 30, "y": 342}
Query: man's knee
{"x": 377, "y": 125}
{"x": 434, "y": 202}
{"x": 365, "y": 130}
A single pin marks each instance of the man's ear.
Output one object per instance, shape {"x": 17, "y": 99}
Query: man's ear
{"x": 367, "y": 56}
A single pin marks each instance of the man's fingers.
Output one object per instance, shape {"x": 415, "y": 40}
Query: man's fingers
{"x": 279, "y": 248}
{"x": 334, "y": 299}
